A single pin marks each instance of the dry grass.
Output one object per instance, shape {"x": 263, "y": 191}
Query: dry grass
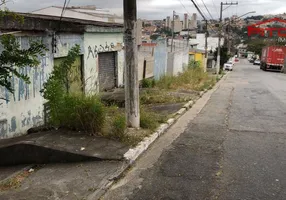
{"x": 194, "y": 78}
{"x": 115, "y": 126}
{"x": 14, "y": 182}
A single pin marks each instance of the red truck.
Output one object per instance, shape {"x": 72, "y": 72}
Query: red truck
{"x": 272, "y": 58}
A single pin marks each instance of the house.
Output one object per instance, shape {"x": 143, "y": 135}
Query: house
{"x": 242, "y": 50}
{"x": 198, "y": 56}
{"x": 201, "y": 39}
{"x": 91, "y": 13}
{"x": 100, "y": 65}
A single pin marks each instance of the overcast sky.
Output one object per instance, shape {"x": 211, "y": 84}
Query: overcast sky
{"x": 159, "y": 9}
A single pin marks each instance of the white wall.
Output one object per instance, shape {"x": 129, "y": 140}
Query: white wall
{"x": 200, "y": 40}
{"x": 24, "y": 109}
{"x": 95, "y": 43}
{"x": 177, "y": 62}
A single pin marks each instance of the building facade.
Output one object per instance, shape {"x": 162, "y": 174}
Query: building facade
{"x": 100, "y": 65}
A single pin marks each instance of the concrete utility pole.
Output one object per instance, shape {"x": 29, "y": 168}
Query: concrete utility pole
{"x": 228, "y": 38}
{"x": 220, "y": 33}
{"x": 188, "y": 38}
{"x": 173, "y": 28}
{"x": 131, "y": 64}
{"x": 206, "y": 46}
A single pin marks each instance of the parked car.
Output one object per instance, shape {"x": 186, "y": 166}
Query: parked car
{"x": 228, "y": 66}
{"x": 257, "y": 62}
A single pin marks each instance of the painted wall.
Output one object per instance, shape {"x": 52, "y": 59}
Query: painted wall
{"x": 24, "y": 109}
{"x": 160, "y": 59}
{"x": 95, "y": 43}
{"x": 200, "y": 40}
{"x": 199, "y": 57}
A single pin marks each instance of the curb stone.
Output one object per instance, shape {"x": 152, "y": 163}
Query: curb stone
{"x": 133, "y": 154}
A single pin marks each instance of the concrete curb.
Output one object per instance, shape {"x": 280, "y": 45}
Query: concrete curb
{"x": 133, "y": 154}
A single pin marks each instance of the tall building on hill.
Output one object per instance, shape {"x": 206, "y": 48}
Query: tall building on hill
{"x": 186, "y": 20}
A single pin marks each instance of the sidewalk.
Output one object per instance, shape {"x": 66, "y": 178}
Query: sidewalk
{"x": 91, "y": 164}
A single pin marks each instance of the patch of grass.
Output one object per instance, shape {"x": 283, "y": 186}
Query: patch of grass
{"x": 150, "y": 120}
{"x": 193, "y": 78}
{"x": 158, "y": 96}
{"x": 148, "y": 83}
{"x": 115, "y": 127}
{"x": 118, "y": 127}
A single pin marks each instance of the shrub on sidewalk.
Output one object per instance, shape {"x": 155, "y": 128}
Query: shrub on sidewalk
{"x": 81, "y": 113}
{"x": 118, "y": 127}
{"x": 148, "y": 83}
{"x": 72, "y": 110}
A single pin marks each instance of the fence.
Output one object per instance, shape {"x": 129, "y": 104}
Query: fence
{"x": 158, "y": 61}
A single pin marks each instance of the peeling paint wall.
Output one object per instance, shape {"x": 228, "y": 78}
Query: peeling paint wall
{"x": 24, "y": 109}
{"x": 95, "y": 43}
{"x": 161, "y": 59}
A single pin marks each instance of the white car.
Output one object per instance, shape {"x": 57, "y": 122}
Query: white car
{"x": 257, "y": 62}
{"x": 228, "y": 66}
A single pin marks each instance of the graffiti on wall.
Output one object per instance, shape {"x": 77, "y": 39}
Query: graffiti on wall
{"x": 93, "y": 51}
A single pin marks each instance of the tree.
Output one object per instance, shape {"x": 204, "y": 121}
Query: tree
{"x": 13, "y": 58}
{"x": 255, "y": 45}
{"x": 154, "y": 37}
{"x": 224, "y": 56}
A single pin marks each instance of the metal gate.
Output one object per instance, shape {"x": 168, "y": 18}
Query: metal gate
{"x": 107, "y": 70}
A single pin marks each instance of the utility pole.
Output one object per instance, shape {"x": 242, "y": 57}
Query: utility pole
{"x": 131, "y": 64}
{"x": 188, "y": 38}
{"x": 228, "y": 38}
{"x": 206, "y": 46}
{"x": 220, "y": 33}
{"x": 173, "y": 28}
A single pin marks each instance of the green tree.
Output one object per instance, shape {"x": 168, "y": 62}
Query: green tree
{"x": 13, "y": 58}
{"x": 166, "y": 31}
{"x": 255, "y": 45}
{"x": 224, "y": 56}
{"x": 154, "y": 37}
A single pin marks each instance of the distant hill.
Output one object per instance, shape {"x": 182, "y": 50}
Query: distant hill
{"x": 257, "y": 17}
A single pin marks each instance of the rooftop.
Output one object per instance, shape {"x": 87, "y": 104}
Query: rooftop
{"x": 36, "y": 22}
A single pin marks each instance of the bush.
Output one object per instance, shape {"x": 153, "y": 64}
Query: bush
{"x": 81, "y": 113}
{"x": 118, "y": 127}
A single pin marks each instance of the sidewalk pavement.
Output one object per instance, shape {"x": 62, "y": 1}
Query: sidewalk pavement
{"x": 66, "y": 165}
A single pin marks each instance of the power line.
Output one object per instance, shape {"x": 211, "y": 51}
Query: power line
{"x": 184, "y": 7}
{"x": 215, "y": 8}
{"x": 207, "y": 10}
{"x": 67, "y": 5}
{"x": 201, "y": 14}
{"x": 198, "y": 9}
{"x": 64, "y": 7}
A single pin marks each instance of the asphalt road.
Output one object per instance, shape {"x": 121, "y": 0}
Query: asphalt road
{"x": 234, "y": 149}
